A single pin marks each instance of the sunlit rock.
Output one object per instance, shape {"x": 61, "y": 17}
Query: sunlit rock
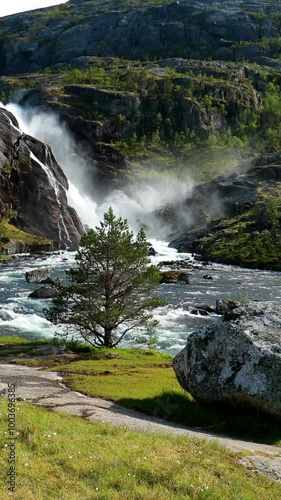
{"x": 40, "y": 275}
{"x": 235, "y": 360}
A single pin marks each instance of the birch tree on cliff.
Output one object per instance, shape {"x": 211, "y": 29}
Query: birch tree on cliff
{"x": 109, "y": 291}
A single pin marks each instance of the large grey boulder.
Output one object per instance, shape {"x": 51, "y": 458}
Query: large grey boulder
{"x": 40, "y": 275}
{"x": 236, "y": 360}
{"x": 44, "y": 292}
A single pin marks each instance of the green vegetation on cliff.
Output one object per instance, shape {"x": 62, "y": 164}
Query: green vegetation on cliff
{"x": 13, "y": 239}
{"x": 251, "y": 239}
{"x": 156, "y": 88}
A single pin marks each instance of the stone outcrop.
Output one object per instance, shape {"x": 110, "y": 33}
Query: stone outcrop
{"x": 33, "y": 189}
{"x": 221, "y": 214}
{"x": 236, "y": 360}
{"x": 44, "y": 292}
{"x": 40, "y": 275}
{"x": 174, "y": 277}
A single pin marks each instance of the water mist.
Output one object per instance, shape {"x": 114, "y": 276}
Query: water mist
{"x": 133, "y": 202}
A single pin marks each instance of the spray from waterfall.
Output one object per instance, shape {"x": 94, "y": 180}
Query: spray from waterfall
{"x": 134, "y": 202}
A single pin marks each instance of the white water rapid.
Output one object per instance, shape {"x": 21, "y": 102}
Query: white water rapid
{"x": 22, "y": 316}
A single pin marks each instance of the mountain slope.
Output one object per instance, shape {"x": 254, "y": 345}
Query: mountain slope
{"x": 164, "y": 89}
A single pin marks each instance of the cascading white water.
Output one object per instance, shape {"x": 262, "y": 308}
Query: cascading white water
{"x": 19, "y": 315}
{"x": 132, "y": 202}
{"x": 56, "y": 185}
{"x": 10, "y": 121}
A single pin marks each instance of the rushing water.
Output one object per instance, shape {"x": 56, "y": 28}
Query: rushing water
{"x": 24, "y": 317}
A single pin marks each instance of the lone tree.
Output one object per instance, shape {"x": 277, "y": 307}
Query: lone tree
{"x": 109, "y": 291}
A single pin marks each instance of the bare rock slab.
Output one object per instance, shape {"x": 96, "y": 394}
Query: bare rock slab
{"x": 40, "y": 275}
{"x": 236, "y": 359}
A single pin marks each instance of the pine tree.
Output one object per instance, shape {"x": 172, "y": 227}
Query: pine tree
{"x": 110, "y": 290}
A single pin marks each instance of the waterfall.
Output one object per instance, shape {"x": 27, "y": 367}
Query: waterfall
{"x": 10, "y": 121}
{"x": 136, "y": 201}
{"x": 55, "y": 185}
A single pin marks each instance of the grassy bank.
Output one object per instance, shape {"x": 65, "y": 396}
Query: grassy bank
{"x": 60, "y": 456}
{"x": 144, "y": 380}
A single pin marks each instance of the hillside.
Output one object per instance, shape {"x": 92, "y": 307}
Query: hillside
{"x": 159, "y": 89}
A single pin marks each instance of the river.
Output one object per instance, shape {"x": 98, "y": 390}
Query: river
{"x": 22, "y": 316}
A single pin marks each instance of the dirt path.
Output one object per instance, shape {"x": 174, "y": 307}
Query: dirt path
{"x": 46, "y": 389}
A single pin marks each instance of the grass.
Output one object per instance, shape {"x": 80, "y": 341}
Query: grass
{"x": 10, "y": 232}
{"x": 16, "y": 346}
{"x": 5, "y": 257}
{"x": 9, "y": 339}
{"x": 61, "y": 456}
{"x": 144, "y": 380}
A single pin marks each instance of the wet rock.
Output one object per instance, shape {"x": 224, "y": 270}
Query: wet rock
{"x": 180, "y": 264}
{"x": 44, "y": 292}
{"x": 31, "y": 177}
{"x": 40, "y": 275}
{"x": 236, "y": 360}
{"x": 174, "y": 277}
{"x": 199, "y": 311}
{"x": 205, "y": 309}
{"x": 224, "y": 306}
{"x": 152, "y": 251}
{"x": 207, "y": 277}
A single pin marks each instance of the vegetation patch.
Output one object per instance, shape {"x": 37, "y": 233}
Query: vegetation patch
{"x": 252, "y": 239}
{"x": 9, "y": 232}
{"x": 60, "y": 456}
{"x": 143, "y": 380}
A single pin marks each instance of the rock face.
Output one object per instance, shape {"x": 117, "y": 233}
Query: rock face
{"x": 226, "y": 222}
{"x": 235, "y": 360}
{"x": 34, "y": 187}
{"x": 134, "y": 30}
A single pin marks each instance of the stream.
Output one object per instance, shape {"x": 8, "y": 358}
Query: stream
{"x": 22, "y": 316}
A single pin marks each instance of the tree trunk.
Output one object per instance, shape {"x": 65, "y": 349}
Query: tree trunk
{"x": 108, "y": 337}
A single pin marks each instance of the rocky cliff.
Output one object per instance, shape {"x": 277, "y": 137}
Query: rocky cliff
{"x": 33, "y": 194}
{"x": 139, "y": 30}
{"x": 235, "y": 219}
{"x": 195, "y": 103}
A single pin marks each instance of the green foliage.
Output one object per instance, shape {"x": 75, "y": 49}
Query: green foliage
{"x": 110, "y": 290}
{"x": 121, "y": 119}
{"x": 7, "y": 169}
{"x": 252, "y": 239}
{"x": 66, "y": 457}
{"x": 270, "y": 115}
{"x": 10, "y": 232}
{"x": 272, "y": 213}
